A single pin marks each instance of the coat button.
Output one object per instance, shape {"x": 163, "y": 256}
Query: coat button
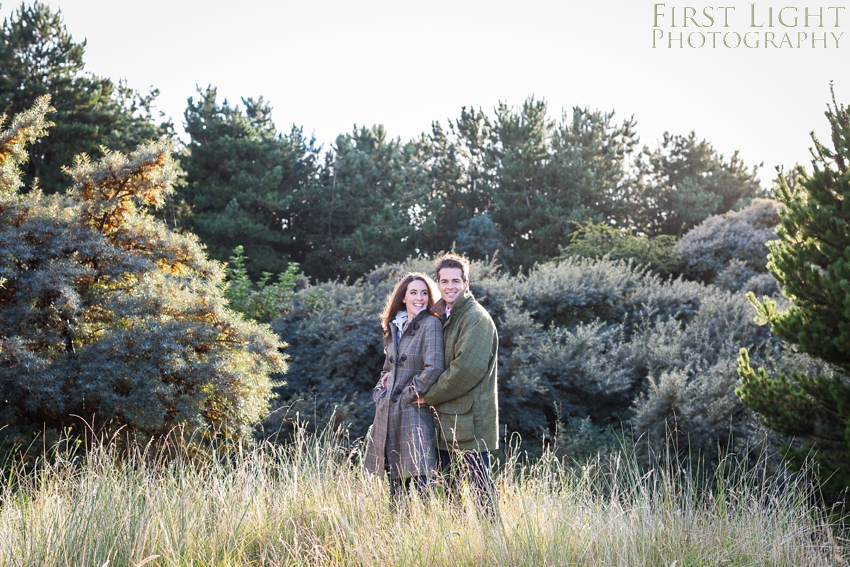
{"x": 391, "y": 360}
{"x": 403, "y": 358}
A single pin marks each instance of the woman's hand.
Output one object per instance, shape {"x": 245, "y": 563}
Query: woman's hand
{"x": 384, "y": 381}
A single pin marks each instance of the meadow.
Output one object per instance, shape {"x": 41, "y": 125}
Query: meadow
{"x": 309, "y": 503}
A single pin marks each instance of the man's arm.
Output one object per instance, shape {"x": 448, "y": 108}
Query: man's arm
{"x": 468, "y": 368}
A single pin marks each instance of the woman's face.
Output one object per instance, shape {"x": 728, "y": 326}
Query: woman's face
{"x": 415, "y": 297}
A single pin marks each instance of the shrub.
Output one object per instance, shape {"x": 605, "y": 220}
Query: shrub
{"x": 585, "y": 345}
{"x": 741, "y": 235}
{"x": 597, "y": 240}
{"x": 108, "y": 316}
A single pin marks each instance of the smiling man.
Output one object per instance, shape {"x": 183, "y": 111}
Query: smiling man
{"x": 465, "y": 396}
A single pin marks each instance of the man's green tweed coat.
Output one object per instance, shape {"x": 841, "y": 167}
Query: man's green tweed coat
{"x": 465, "y": 396}
{"x": 401, "y": 438}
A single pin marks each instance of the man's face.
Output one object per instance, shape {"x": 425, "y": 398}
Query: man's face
{"x": 451, "y": 284}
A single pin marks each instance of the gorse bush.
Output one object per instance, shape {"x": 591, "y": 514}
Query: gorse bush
{"x": 731, "y": 248}
{"x": 598, "y": 337}
{"x": 603, "y": 240}
{"x": 108, "y": 316}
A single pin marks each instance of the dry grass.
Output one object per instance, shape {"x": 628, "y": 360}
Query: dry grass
{"x": 306, "y": 505}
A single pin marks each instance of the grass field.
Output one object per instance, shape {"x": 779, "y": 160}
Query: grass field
{"x": 306, "y": 504}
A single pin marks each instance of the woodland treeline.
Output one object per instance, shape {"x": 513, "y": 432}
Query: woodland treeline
{"x": 514, "y": 180}
{"x": 156, "y": 283}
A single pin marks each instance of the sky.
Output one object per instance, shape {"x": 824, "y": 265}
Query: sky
{"x": 326, "y": 65}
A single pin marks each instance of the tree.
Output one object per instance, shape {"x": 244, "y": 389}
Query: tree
{"x": 811, "y": 261}
{"x": 454, "y": 159}
{"x": 38, "y": 56}
{"x": 553, "y": 175}
{"x": 546, "y": 176}
{"x": 516, "y": 183}
{"x": 683, "y": 182}
{"x": 261, "y": 301}
{"x": 108, "y": 316}
{"x": 371, "y": 205}
{"x": 245, "y": 183}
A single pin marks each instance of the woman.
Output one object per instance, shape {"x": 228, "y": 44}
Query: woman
{"x": 401, "y": 439}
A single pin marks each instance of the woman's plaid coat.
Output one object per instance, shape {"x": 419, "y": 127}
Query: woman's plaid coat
{"x": 401, "y": 439}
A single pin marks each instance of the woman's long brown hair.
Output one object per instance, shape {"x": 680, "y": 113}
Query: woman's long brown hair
{"x": 394, "y": 302}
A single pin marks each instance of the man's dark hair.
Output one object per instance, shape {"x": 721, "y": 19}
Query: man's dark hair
{"x": 453, "y": 261}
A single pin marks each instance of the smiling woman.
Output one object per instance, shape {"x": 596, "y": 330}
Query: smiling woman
{"x": 401, "y": 440}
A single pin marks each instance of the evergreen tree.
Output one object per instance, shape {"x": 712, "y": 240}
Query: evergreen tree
{"x": 543, "y": 176}
{"x": 518, "y": 154}
{"x": 38, "y": 56}
{"x": 515, "y": 184}
{"x": 245, "y": 183}
{"x": 108, "y": 316}
{"x": 372, "y": 205}
{"x": 811, "y": 261}
{"x": 262, "y": 300}
{"x": 683, "y": 182}
{"x": 454, "y": 161}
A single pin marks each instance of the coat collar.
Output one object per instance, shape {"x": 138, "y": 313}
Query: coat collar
{"x": 402, "y": 320}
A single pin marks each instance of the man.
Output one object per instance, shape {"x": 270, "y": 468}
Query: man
{"x": 465, "y": 396}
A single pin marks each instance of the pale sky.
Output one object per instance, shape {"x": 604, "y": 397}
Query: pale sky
{"x": 328, "y": 64}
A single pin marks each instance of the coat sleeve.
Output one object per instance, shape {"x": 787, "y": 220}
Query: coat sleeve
{"x": 473, "y": 351}
{"x": 433, "y": 357}
{"x": 378, "y": 392}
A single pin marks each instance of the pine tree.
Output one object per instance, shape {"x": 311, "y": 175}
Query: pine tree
{"x": 38, "y": 56}
{"x": 683, "y": 182}
{"x": 108, "y": 316}
{"x": 515, "y": 184}
{"x": 453, "y": 159}
{"x": 811, "y": 262}
{"x": 246, "y": 183}
{"x": 371, "y": 205}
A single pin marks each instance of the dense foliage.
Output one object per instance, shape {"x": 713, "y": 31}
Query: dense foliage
{"x": 732, "y": 243}
{"x": 107, "y": 316}
{"x": 597, "y": 240}
{"x": 684, "y": 181}
{"x": 244, "y": 182}
{"x": 587, "y": 347}
{"x": 515, "y": 184}
{"x": 264, "y": 299}
{"x": 811, "y": 261}
{"x": 614, "y": 271}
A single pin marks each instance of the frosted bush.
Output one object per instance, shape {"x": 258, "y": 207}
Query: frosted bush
{"x": 737, "y": 235}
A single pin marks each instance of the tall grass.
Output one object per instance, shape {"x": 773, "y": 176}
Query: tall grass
{"x": 306, "y": 504}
